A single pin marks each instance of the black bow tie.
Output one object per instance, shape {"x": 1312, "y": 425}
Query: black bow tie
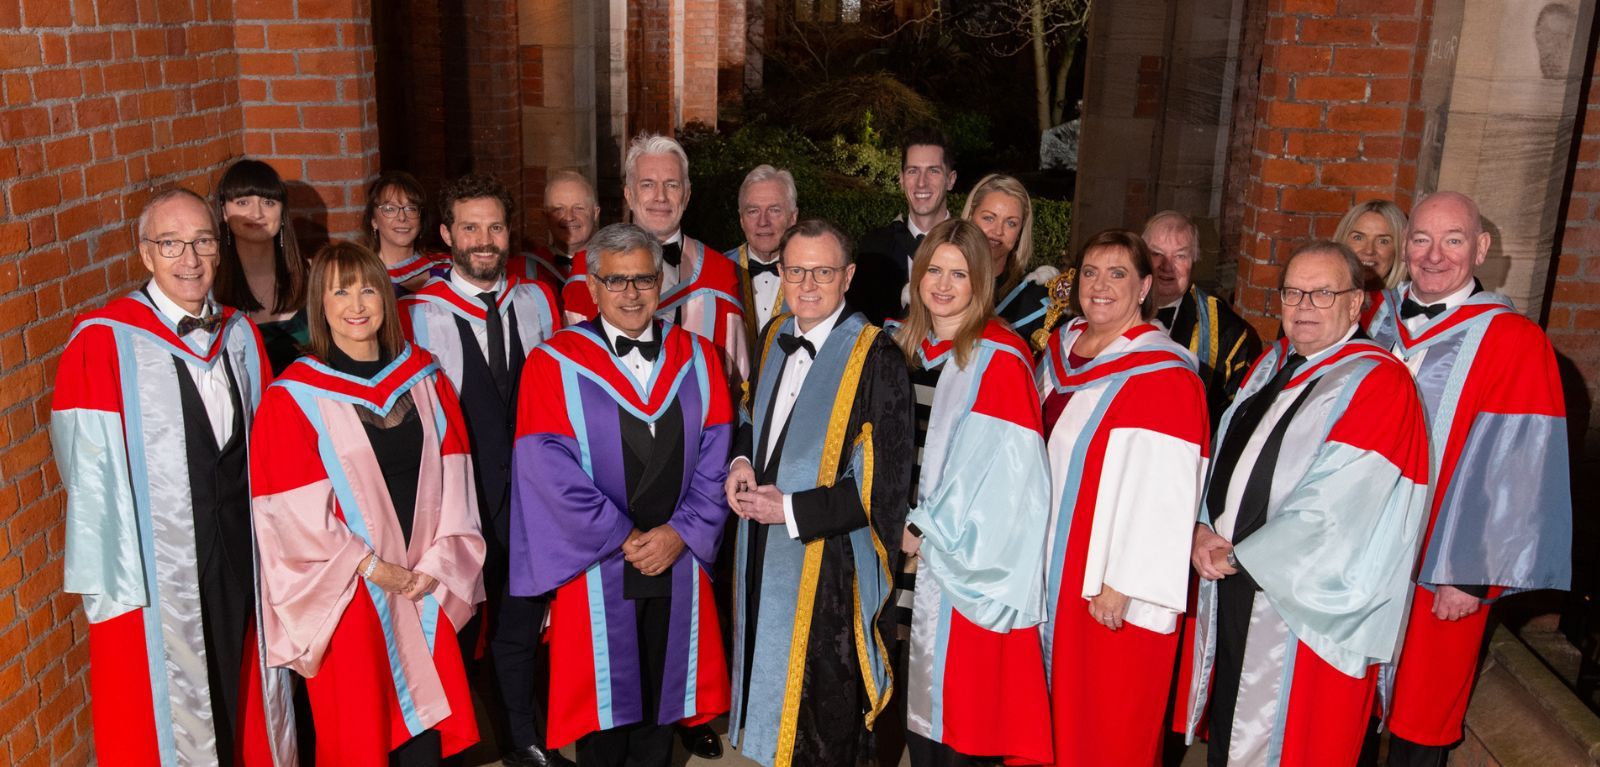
{"x": 208, "y": 323}
{"x": 1410, "y": 308}
{"x": 672, "y": 252}
{"x": 762, "y": 267}
{"x": 647, "y": 349}
{"x": 792, "y": 344}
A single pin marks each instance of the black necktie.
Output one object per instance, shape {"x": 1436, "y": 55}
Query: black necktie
{"x": 762, "y": 267}
{"x": 207, "y": 323}
{"x": 1239, "y": 430}
{"x": 793, "y": 343}
{"x": 647, "y": 349}
{"x": 672, "y": 252}
{"x": 497, "y": 341}
{"x": 1410, "y": 308}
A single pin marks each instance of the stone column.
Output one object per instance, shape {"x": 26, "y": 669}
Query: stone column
{"x": 1508, "y": 142}
{"x": 558, "y": 53}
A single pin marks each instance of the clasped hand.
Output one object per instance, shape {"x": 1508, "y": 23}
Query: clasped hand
{"x": 758, "y": 503}
{"x": 653, "y": 552}
{"x": 1210, "y": 554}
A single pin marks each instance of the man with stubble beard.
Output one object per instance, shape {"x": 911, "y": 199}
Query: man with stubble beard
{"x": 480, "y": 323}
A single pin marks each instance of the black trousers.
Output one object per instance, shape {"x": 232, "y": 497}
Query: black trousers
{"x": 928, "y": 753}
{"x": 519, "y": 660}
{"x": 421, "y": 751}
{"x": 645, "y": 744}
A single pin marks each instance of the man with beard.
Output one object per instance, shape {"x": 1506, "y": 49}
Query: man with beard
{"x": 699, "y": 286}
{"x": 883, "y": 260}
{"x": 480, "y": 323}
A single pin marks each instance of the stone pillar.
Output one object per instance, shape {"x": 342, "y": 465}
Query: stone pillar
{"x": 1514, "y": 96}
{"x": 558, "y": 52}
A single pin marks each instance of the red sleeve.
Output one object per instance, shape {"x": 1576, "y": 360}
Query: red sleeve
{"x": 456, "y": 440}
{"x": 575, "y": 294}
{"x": 87, "y": 377}
{"x": 1007, "y": 392}
{"x": 1385, "y": 416}
{"x": 1170, "y": 401}
{"x": 281, "y": 439}
{"x": 719, "y": 400}
{"x": 541, "y": 402}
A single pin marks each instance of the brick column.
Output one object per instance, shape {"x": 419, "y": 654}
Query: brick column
{"x": 307, "y": 92}
{"x": 1336, "y": 124}
{"x": 1574, "y": 310}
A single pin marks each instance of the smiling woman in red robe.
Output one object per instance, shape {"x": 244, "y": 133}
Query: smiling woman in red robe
{"x": 370, "y": 550}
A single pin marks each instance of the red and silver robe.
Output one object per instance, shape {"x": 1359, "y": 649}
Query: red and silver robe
{"x": 116, "y": 425}
{"x": 429, "y": 316}
{"x": 1344, "y": 519}
{"x": 380, "y": 668}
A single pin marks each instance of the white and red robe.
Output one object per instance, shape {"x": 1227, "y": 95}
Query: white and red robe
{"x": 541, "y": 266}
{"x": 976, "y": 673}
{"x": 1332, "y": 559}
{"x": 1500, "y": 518}
{"x": 429, "y": 317}
{"x": 117, "y": 428}
{"x": 380, "y": 669}
{"x": 421, "y": 265}
{"x": 704, "y": 301}
{"x": 1128, "y": 441}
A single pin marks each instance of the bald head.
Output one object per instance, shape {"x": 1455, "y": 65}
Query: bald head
{"x": 571, "y": 210}
{"x": 1445, "y": 242}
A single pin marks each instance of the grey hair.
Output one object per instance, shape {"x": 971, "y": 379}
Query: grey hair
{"x": 167, "y": 195}
{"x": 1358, "y": 273}
{"x": 620, "y": 238}
{"x": 784, "y": 178}
{"x": 653, "y": 143}
{"x": 1173, "y": 220}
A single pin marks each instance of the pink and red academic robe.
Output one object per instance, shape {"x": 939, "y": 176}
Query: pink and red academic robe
{"x": 117, "y": 429}
{"x": 380, "y": 669}
{"x": 976, "y": 671}
{"x": 1344, "y": 518}
{"x": 705, "y": 301}
{"x": 569, "y": 519}
{"x": 430, "y": 263}
{"x": 1501, "y": 510}
{"x": 1127, "y": 454}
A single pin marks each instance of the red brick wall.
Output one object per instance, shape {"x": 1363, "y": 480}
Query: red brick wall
{"x": 1573, "y": 318}
{"x": 101, "y": 102}
{"x": 1336, "y": 124}
{"x": 651, "y": 78}
{"x": 731, "y": 24}
{"x": 701, "y": 37}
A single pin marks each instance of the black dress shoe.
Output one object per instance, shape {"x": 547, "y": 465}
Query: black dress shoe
{"x": 702, "y": 741}
{"x": 534, "y": 756}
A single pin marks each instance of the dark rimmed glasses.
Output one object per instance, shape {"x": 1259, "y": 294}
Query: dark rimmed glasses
{"x": 204, "y": 247}
{"x": 616, "y": 283}
{"x": 1322, "y": 299}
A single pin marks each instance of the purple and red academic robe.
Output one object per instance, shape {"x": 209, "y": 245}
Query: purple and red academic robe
{"x": 1501, "y": 513}
{"x": 1128, "y": 445}
{"x": 705, "y": 301}
{"x": 380, "y": 669}
{"x": 569, "y": 519}
{"x": 430, "y": 264}
{"x": 1344, "y": 518}
{"x": 975, "y": 673}
{"x": 429, "y": 316}
{"x": 117, "y": 428}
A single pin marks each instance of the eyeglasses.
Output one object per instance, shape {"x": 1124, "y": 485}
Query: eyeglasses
{"x": 824, "y": 275}
{"x": 204, "y": 247}
{"x": 616, "y": 283}
{"x": 390, "y": 210}
{"x": 1322, "y": 299}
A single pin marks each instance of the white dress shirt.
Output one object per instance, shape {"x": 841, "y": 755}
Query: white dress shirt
{"x": 764, "y": 287}
{"x": 480, "y": 331}
{"x": 639, "y": 367}
{"x": 212, "y": 383}
{"x": 795, "y": 369}
{"x": 1415, "y": 325}
{"x": 1258, "y": 440}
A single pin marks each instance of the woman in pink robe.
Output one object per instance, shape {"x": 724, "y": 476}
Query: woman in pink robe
{"x": 370, "y": 550}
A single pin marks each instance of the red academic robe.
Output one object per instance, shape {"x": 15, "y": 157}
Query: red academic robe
{"x": 976, "y": 670}
{"x": 705, "y": 301}
{"x": 380, "y": 668}
{"x": 118, "y": 433}
{"x": 539, "y": 265}
{"x": 1501, "y": 506}
{"x": 1127, "y": 452}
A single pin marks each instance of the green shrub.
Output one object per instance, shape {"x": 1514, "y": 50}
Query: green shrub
{"x": 854, "y": 184}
